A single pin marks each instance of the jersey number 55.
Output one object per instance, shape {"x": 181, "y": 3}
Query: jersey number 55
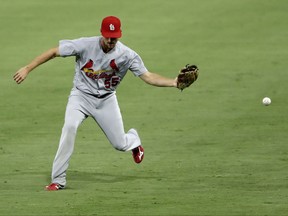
{"x": 112, "y": 82}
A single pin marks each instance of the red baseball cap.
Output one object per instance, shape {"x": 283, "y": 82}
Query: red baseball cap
{"x": 111, "y": 27}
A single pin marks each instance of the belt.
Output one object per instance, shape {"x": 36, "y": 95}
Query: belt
{"x": 101, "y": 96}
{"x": 97, "y": 96}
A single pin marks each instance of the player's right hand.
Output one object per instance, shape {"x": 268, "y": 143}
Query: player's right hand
{"x": 21, "y": 74}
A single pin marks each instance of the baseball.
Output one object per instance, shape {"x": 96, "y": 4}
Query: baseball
{"x": 266, "y": 101}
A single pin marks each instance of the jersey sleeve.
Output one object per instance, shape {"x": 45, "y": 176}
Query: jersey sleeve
{"x": 70, "y": 47}
{"x": 137, "y": 66}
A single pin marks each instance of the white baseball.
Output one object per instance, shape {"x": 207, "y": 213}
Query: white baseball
{"x": 266, "y": 101}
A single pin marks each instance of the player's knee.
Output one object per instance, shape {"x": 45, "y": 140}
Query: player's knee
{"x": 70, "y": 128}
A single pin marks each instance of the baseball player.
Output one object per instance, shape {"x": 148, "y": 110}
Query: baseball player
{"x": 101, "y": 64}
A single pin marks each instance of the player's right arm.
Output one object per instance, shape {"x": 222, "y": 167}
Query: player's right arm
{"x": 22, "y": 73}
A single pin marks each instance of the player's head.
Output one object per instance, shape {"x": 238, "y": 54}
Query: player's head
{"x": 111, "y": 27}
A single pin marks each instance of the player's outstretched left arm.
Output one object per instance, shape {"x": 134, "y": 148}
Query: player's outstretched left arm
{"x": 157, "y": 80}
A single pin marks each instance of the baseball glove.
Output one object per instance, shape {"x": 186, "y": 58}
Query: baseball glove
{"x": 187, "y": 76}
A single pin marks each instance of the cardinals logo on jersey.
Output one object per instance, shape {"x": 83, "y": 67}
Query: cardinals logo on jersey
{"x": 113, "y": 65}
{"x": 111, "y": 79}
{"x": 88, "y": 67}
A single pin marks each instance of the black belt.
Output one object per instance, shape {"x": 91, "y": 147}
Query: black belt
{"x": 101, "y": 96}
{"x": 97, "y": 96}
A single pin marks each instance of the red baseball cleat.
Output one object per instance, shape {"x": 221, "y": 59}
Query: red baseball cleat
{"x": 138, "y": 154}
{"x": 54, "y": 187}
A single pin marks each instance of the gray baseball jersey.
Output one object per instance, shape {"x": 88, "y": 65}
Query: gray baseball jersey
{"x": 96, "y": 72}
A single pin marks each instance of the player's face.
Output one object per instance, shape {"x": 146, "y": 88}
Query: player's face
{"x": 109, "y": 43}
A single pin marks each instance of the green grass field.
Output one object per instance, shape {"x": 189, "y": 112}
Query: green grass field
{"x": 211, "y": 150}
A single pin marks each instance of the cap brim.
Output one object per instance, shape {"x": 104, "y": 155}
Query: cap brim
{"x": 112, "y": 34}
